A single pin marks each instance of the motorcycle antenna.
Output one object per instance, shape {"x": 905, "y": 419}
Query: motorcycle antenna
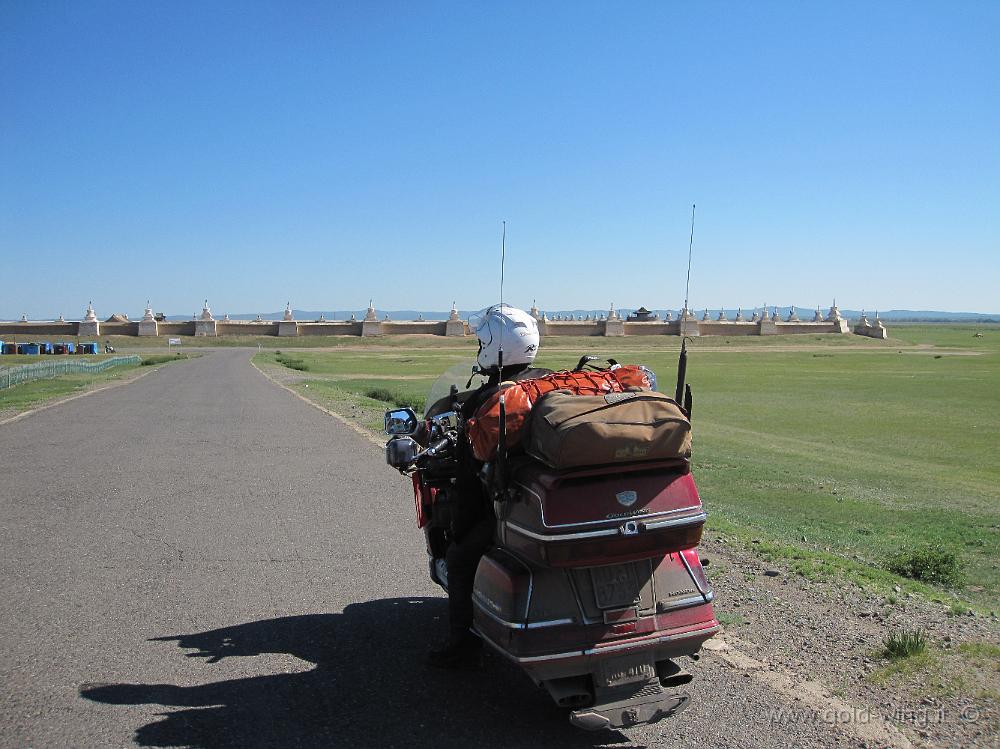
{"x": 503, "y": 255}
{"x": 687, "y": 284}
{"x": 501, "y": 478}
{"x": 682, "y": 390}
{"x": 503, "y": 259}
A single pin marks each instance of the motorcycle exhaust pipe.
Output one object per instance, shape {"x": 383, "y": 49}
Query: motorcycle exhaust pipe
{"x": 671, "y": 675}
{"x": 570, "y": 691}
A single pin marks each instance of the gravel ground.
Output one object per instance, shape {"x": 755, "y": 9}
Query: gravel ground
{"x": 831, "y": 632}
{"x": 119, "y": 378}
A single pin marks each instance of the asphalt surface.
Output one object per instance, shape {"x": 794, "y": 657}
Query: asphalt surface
{"x": 198, "y": 558}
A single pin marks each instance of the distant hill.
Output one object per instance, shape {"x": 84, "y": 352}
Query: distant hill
{"x": 906, "y": 315}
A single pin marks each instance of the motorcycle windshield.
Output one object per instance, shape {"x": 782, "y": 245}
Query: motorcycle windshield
{"x": 458, "y": 375}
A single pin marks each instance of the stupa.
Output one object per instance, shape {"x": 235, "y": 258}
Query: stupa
{"x": 148, "y": 324}
{"x": 287, "y": 325}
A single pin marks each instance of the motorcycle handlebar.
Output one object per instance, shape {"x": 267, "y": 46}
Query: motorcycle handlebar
{"x": 437, "y": 447}
{"x": 432, "y": 450}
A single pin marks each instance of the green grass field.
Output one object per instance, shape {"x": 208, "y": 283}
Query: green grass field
{"x": 32, "y": 394}
{"x": 833, "y": 454}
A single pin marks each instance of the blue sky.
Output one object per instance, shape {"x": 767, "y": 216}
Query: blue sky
{"x": 325, "y": 153}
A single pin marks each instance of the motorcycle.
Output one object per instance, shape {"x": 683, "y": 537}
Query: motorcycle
{"x": 594, "y": 586}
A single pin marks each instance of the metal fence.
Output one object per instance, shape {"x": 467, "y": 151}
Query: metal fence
{"x": 11, "y": 376}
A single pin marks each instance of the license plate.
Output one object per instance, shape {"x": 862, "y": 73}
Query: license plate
{"x": 616, "y": 586}
{"x": 626, "y": 670}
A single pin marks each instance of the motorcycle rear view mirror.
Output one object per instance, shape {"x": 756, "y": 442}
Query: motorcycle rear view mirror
{"x": 401, "y": 421}
{"x": 446, "y": 421}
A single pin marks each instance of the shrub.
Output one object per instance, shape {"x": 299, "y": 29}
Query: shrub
{"x": 148, "y": 361}
{"x": 904, "y": 644}
{"x": 958, "y": 609}
{"x": 389, "y": 396}
{"x": 928, "y": 565}
{"x": 291, "y": 362}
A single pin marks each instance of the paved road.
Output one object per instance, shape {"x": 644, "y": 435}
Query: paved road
{"x": 199, "y": 558}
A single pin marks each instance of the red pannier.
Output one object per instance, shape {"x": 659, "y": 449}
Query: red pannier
{"x": 423, "y": 499}
{"x": 484, "y": 428}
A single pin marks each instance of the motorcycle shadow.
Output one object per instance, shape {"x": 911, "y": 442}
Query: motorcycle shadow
{"x": 369, "y": 687}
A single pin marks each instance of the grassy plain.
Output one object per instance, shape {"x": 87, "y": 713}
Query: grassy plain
{"x": 833, "y": 454}
{"x": 31, "y": 394}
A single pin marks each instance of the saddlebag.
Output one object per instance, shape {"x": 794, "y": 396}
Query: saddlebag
{"x": 548, "y": 618}
{"x": 569, "y": 431}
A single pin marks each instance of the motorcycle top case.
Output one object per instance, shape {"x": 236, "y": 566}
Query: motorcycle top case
{"x": 601, "y": 517}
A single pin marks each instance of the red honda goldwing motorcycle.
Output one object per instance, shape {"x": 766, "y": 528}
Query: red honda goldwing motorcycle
{"x": 594, "y": 587}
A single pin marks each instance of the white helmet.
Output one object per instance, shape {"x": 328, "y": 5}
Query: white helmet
{"x": 510, "y": 328}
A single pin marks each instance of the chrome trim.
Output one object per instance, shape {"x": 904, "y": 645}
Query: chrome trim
{"x": 598, "y": 651}
{"x": 638, "y": 516}
{"x": 549, "y": 623}
{"x": 517, "y": 625}
{"x": 703, "y": 516}
{"x": 683, "y": 603}
{"x": 652, "y": 641}
{"x": 692, "y": 576}
{"x": 531, "y": 591}
{"x": 562, "y": 536}
{"x": 530, "y": 659}
{"x": 675, "y": 522}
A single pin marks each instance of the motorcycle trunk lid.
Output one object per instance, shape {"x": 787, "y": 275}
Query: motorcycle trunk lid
{"x": 600, "y": 517}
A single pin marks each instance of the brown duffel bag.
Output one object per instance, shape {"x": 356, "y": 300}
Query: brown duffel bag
{"x": 484, "y": 428}
{"x": 569, "y": 431}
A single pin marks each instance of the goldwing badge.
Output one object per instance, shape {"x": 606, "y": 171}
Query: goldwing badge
{"x": 626, "y": 499}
